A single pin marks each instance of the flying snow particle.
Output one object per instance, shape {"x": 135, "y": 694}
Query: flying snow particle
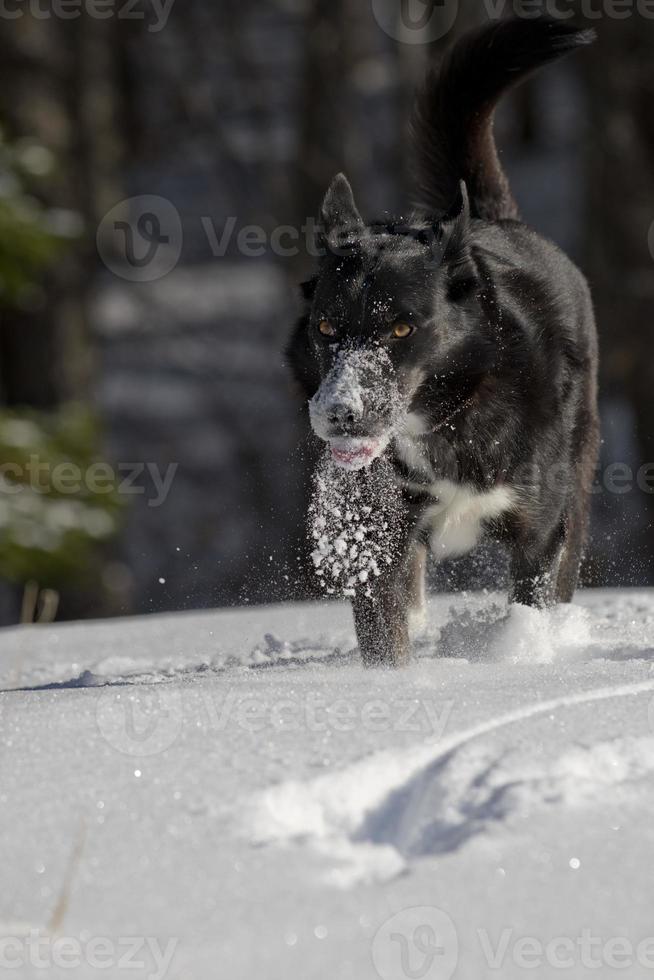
{"x": 355, "y": 524}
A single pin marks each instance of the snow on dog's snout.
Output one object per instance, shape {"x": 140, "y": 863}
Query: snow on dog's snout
{"x": 357, "y": 407}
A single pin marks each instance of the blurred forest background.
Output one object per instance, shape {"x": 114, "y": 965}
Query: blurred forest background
{"x": 239, "y": 114}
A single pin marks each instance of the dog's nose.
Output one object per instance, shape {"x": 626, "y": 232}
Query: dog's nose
{"x": 344, "y": 414}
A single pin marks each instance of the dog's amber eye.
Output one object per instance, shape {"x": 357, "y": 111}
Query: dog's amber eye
{"x": 402, "y": 330}
{"x": 326, "y": 329}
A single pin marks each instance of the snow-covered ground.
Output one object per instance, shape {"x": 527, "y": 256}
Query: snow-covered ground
{"x": 231, "y": 795}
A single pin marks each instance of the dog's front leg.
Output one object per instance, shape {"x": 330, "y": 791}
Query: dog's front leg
{"x": 382, "y": 618}
{"x": 534, "y": 570}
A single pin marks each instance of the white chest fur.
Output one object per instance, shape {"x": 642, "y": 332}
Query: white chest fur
{"x": 457, "y": 517}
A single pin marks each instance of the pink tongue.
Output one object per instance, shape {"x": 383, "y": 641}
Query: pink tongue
{"x": 350, "y": 455}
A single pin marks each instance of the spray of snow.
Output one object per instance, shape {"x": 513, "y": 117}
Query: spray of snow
{"x": 355, "y": 523}
{"x": 515, "y": 634}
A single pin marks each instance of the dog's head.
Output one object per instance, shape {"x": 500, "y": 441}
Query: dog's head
{"x": 392, "y": 323}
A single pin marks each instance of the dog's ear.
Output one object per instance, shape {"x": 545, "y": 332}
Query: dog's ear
{"x": 339, "y": 214}
{"x": 455, "y": 228}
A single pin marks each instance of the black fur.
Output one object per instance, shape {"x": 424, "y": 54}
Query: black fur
{"x": 452, "y": 121}
{"x": 502, "y": 363}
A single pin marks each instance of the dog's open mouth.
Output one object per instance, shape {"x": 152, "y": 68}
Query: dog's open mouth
{"x": 355, "y": 454}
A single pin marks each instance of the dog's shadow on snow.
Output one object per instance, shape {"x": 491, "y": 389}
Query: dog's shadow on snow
{"x": 282, "y": 657}
{"x": 491, "y": 634}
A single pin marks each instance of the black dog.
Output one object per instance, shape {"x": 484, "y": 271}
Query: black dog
{"x": 461, "y": 347}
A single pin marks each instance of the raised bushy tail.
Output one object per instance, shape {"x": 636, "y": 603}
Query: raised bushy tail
{"x": 452, "y": 124}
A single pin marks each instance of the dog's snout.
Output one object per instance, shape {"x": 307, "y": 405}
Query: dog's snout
{"x": 344, "y": 414}
{"x": 354, "y": 400}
